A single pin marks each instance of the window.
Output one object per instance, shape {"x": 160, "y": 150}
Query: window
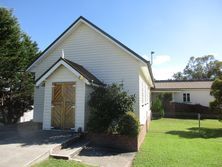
{"x": 184, "y": 97}
{"x": 145, "y": 93}
{"x": 188, "y": 97}
{"x": 142, "y": 93}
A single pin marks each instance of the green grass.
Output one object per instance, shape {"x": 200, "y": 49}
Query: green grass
{"x": 59, "y": 163}
{"x": 178, "y": 143}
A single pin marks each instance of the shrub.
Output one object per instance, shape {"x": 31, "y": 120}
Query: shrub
{"x": 113, "y": 127}
{"x": 128, "y": 125}
{"x": 157, "y": 107}
{"x": 107, "y": 104}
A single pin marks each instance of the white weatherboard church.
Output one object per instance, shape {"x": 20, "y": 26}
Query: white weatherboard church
{"x": 81, "y": 57}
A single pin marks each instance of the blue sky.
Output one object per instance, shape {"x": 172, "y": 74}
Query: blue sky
{"x": 174, "y": 29}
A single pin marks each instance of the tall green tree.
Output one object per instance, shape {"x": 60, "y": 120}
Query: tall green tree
{"x": 216, "y": 91}
{"x": 206, "y": 67}
{"x": 16, "y": 52}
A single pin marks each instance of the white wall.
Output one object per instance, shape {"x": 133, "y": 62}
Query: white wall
{"x": 62, "y": 74}
{"x": 27, "y": 116}
{"x": 38, "y": 103}
{"x": 144, "y": 99}
{"x": 88, "y": 91}
{"x": 197, "y": 96}
{"x": 101, "y": 57}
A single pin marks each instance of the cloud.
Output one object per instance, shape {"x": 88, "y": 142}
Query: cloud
{"x": 161, "y": 59}
{"x": 165, "y": 72}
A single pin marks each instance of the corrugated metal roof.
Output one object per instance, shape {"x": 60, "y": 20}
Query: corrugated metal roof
{"x": 188, "y": 84}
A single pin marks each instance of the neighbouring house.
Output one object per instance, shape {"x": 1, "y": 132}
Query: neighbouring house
{"x": 84, "y": 56}
{"x": 185, "y": 91}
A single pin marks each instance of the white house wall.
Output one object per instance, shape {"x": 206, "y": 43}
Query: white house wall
{"x": 88, "y": 91}
{"x": 38, "y": 104}
{"x": 62, "y": 74}
{"x": 101, "y": 57}
{"x": 197, "y": 96}
{"x": 144, "y": 99}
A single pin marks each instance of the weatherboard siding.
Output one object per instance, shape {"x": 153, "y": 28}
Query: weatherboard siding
{"x": 144, "y": 99}
{"x": 88, "y": 91}
{"x": 197, "y": 96}
{"x": 99, "y": 56}
{"x": 38, "y": 104}
{"x": 62, "y": 74}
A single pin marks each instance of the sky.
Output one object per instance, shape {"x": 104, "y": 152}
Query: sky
{"x": 174, "y": 29}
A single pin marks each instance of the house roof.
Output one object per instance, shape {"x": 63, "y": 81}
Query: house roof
{"x": 81, "y": 18}
{"x": 84, "y": 72}
{"x": 78, "y": 68}
{"x": 182, "y": 84}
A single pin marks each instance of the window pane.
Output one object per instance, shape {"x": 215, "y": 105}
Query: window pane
{"x": 188, "y": 97}
{"x": 184, "y": 97}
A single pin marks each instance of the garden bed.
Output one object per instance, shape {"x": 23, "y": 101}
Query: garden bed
{"x": 121, "y": 142}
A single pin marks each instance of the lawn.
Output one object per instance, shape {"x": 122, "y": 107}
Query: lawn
{"x": 178, "y": 143}
{"x": 59, "y": 163}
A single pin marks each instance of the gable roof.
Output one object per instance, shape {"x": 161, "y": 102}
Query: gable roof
{"x": 82, "y": 19}
{"x": 74, "y": 67}
{"x": 84, "y": 72}
{"x": 182, "y": 84}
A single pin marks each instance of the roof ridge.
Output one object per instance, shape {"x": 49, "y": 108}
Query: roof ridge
{"x": 71, "y": 63}
{"x": 192, "y": 80}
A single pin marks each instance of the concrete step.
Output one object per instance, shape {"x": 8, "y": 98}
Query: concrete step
{"x": 70, "y": 150}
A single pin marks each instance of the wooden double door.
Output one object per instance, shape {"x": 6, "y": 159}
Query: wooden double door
{"x": 63, "y": 105}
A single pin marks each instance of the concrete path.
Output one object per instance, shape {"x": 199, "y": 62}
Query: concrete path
{"x": 104, "y": 157}
{"x": 21, "y": 144}
{"x": 71, "y": 150}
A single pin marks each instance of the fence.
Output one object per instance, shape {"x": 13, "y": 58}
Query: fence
{"x": 181, "y": 110}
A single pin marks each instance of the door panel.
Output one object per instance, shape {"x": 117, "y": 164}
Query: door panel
{"x": 68, "y": 116}
{"x": 56, "y": 116}
{"x": 63, "y": 105}
{"x": 68, "y": 95}
{"x": 56, "y": 105}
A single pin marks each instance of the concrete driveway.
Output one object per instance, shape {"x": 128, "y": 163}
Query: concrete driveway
{"x": 23, "y": 143}
{"x": 105, "y": 157}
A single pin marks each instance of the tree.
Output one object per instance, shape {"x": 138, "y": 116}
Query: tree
{"x": 16, "y": 52}
{"x": 178, "y": 76}
{"x": 157, "y": 107}
{"x": 216, "y": 91}
{"x": 200, "y": 68}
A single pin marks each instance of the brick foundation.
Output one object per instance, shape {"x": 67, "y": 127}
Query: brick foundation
{"x": 120, "y": 142}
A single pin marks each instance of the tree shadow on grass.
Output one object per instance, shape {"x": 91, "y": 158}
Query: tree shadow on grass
{"x": 194, "y": 132}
